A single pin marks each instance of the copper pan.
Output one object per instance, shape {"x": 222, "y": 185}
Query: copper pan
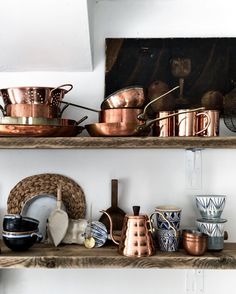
{"x": 129, "y": 97}
{"x": 39, "y": 131}
{"x": 127, "y": 129}
{"x": 113, "y": 115}
{"x": 8, "y": 120}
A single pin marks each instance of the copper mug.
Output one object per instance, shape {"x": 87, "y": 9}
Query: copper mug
{"x": 187, "y": 122}
{"x": 165, "y": 127}
{"x": 211, "y": 129}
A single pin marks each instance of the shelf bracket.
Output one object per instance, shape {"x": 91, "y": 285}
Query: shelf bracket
{"x": 195, "y": 282}
{"x": 193, "y": 168}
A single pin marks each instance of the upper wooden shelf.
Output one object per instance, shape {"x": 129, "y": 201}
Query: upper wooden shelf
{"x": 75, "y": 256}
{"x": 116, "y": 142}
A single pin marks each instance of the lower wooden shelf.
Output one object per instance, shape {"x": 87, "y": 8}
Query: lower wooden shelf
{"x": 75, "y": 256}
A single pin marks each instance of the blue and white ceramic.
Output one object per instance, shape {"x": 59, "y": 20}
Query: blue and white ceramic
{"x": 98, "y": 232}
{"x": 210, "y": 206}
{"x": 171, "y": 213}
{"x": 168, "y": 240}
{"x": 215, "y": 231}
{"x": 213, "y": 228}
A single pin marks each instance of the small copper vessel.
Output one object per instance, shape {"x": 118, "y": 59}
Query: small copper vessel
{"x": 194, "y": 242}
{"x": 136, "y": 238}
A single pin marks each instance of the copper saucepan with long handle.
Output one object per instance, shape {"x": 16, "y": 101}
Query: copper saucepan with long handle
{"x": 121, "y": 115}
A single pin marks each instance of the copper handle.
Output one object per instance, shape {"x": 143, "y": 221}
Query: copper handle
{"x": 64, "y": 85}
{"x": 79, "y": 106}
{"x": 111, "y": 227}
{"x": 208, "y": 122}
{"x": 142, "y": 115}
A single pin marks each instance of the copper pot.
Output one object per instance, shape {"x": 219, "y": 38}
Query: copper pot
{"x": 120, "y": 115}
{"x": 129, "y": 97}
{"x": 32, "y": 110}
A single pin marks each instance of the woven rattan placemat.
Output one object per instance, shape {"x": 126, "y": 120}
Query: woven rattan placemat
{"x": 72, "y": 194}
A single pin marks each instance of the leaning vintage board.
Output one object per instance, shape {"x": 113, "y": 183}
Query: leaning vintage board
{"x": 72, "y": 194}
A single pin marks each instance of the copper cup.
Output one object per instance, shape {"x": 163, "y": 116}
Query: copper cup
{"x": 194, "y": 242}
{"x": 211, "y": 129}
{"x": 165, "y": 127}
{"x": 187, "y": 122}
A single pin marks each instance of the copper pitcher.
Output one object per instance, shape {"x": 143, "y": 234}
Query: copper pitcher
{"x": 136, "y": 238}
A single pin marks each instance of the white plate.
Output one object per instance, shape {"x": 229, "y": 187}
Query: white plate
{"x": 40, "y": 207}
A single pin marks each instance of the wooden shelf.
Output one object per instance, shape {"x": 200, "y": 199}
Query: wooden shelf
{"x": 116, "y": 142}
{"x": 75, "y": 256}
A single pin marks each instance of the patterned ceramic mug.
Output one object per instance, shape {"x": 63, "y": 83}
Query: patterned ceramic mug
{"x": 168, "y": 240}
{"x": 170, "y": 213}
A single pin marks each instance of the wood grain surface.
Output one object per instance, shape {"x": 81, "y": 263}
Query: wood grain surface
{"x": 76, "y": 256}
{"x": 117, "y": 142}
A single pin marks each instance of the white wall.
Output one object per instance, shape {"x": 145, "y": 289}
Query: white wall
{"x": 147, "y": 177}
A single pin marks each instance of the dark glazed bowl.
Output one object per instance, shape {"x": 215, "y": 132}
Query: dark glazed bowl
{"x": 20, "y": 242}
{"x": 19, "y": 223}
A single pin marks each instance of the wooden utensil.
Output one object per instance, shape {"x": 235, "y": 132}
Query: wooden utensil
{"x": 58, "y": 221}
{"x": 117, "y": 214}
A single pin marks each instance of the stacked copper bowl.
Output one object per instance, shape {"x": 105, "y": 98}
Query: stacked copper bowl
{"x": 35, "y": 111}
{"x": 119, "y": 113}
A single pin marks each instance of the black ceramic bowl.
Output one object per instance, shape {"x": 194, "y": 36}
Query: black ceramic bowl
{"x": 20, "y": 242}
{"x": 19, "y": 223}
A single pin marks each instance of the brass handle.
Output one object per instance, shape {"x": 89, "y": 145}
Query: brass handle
{"x": 142, "y": 115}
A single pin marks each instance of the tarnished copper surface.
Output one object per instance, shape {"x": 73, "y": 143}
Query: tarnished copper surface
{"x": 213, "y": 128}
{"x": 194, "y": 242}
{"x": 32, "y": 110}
{"x": 131, "y": 97}
{"x": 35, "y": 95}
{"x": 39, "y": 131}
{"x": 120, "y": 115}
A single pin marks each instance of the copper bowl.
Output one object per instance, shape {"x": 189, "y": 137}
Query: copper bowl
{"x": 129, "y": 97}
{"x": 194, "y": 242}
{"x": 35, "y": 95}
{"x": 120, "y": 115}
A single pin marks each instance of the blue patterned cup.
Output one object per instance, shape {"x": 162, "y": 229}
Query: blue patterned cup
{"x": 167, "y": 215}
{"x": 210, "y": 206}
{"x": 168, "y": 240}
{"x": 215, "y": 231}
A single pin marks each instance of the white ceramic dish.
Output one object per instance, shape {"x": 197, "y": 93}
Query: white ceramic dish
{"x": 40, "y": 207}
